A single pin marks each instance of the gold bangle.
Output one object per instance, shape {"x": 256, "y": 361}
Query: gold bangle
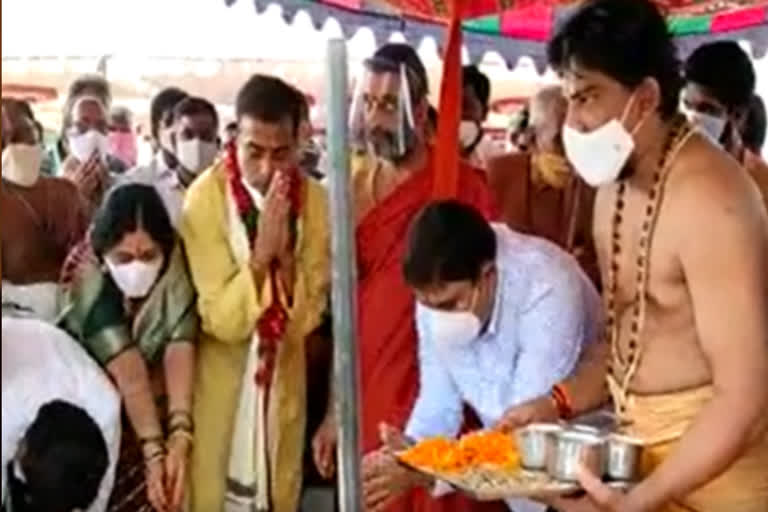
{"x": 160, "y": 450}
{"x": 151, "y": 448}
{"x": 178, "y": 419}
{"x": 185, "y": 414}
{"x": 151, "y": 445}
{"x": 158, "y": 456}
{"x": 179, "y": 425}
{"x": 183, "y": 434}
{"x": 151, "y": 440}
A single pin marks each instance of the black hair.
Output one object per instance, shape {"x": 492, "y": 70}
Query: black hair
{"x": 448, "y": 241}
{"x": 627, "y": 40}
{"x": 231, "y": 126}
{"x": 63, "y": 460}
{"x": 397, "y": 54}
{"x": 161, "y": 107}
{"x": 40, "y": 131}
{"x": 432, "y": 116}
{"x": 26, "y": 109}
{"x": 95, "y": 85}
{"x": 120, "y": 114}
{"x": 126, "y": 209}
{"x": 755, "y": 125}
{"x": 479, "y": 82}
{"x": 15, "y": 110}
{"x": 303, "y": 106}
{"x": 90, "y": 84}
{"x": 725, "y": 70}
{"x": 192, "y": 106}
{"x": 270, "y": 100}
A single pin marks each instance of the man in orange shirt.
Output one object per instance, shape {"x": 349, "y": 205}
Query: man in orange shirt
{"x": 47, "y": 218}
{"x": 537, "y": 192}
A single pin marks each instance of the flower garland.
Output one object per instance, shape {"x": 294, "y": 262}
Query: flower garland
{"x": 272, "y": 323}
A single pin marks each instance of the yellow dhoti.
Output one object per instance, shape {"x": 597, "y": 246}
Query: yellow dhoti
{"x": 660, "y": 421}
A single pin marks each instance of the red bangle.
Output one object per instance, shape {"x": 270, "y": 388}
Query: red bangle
{"x": 562, "y": 401}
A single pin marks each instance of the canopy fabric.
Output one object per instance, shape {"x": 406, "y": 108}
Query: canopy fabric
{"x": 522, "y": 31}
{"x": 441, "y": 10}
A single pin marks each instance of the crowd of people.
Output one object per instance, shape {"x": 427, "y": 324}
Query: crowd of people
{"x": 167, "y": 331}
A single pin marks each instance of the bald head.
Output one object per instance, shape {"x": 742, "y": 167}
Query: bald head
{"x": 548, "y": 109}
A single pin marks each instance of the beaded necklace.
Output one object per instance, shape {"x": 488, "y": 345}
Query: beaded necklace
{"x": 678, "y": 135}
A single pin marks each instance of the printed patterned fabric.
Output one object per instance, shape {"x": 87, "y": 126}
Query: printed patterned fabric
{"x": 532, "y": 20}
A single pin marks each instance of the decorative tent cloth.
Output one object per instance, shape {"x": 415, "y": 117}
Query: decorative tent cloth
{"x": 522, "y": 29}
{"x": 515, "y": 28}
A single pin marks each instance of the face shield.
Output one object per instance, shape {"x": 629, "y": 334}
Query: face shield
{"x": 381, "y": 115}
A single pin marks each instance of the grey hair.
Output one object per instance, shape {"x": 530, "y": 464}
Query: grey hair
{"x": 549, "y": 100}
{"x": 92, "y": 85}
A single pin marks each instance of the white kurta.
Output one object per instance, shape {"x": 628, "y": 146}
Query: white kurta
{"x": 40, "y": 364}
{"x": 165, "y": 181}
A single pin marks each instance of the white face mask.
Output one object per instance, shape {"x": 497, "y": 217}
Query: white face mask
{"x": 196, "y": 155}
{"x": 136, "y": 278}
{"x": 452, "y": 328}
{"x": 145, "y": 152}
{"x": 469, "y": 133}
{"x": 711, "y": 126}
{"x": 21, "y": 163}
{"x": 84, "y": 145}
{"x": 600, "y": 155}
{"x": 166, "y": 141}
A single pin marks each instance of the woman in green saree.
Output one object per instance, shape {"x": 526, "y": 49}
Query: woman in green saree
{"x": 130, "y": 302}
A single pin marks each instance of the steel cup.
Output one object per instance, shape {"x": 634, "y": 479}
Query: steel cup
{"x": 573, "y": 449}
{"x": 534, "y": 442}
{"x": 624, "y": 458}
{"x": 584, "y": 429}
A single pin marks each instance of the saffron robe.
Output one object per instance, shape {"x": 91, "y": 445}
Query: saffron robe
{"x": 562, "y": 215}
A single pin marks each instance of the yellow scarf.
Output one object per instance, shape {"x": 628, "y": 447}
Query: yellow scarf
{"x": 550, "y": 170}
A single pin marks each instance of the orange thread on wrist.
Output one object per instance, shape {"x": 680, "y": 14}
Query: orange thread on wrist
{"x": 562, "y": 401}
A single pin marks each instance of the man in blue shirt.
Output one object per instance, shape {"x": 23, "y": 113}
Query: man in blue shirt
{"x": 502, "y": 318}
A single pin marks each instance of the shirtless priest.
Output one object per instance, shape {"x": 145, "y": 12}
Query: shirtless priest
{"x": 682, "y": 240}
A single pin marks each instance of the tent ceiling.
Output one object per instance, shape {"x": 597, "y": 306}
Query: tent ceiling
{"x": 352, "y": 15}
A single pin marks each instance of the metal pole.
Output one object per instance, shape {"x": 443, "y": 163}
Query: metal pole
{"x": 344, "y": 274}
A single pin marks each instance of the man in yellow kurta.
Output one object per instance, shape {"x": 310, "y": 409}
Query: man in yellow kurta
{"x": 256, "y": 234}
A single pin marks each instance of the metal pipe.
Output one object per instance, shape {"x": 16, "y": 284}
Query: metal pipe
{"x": 344, "y": 281}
